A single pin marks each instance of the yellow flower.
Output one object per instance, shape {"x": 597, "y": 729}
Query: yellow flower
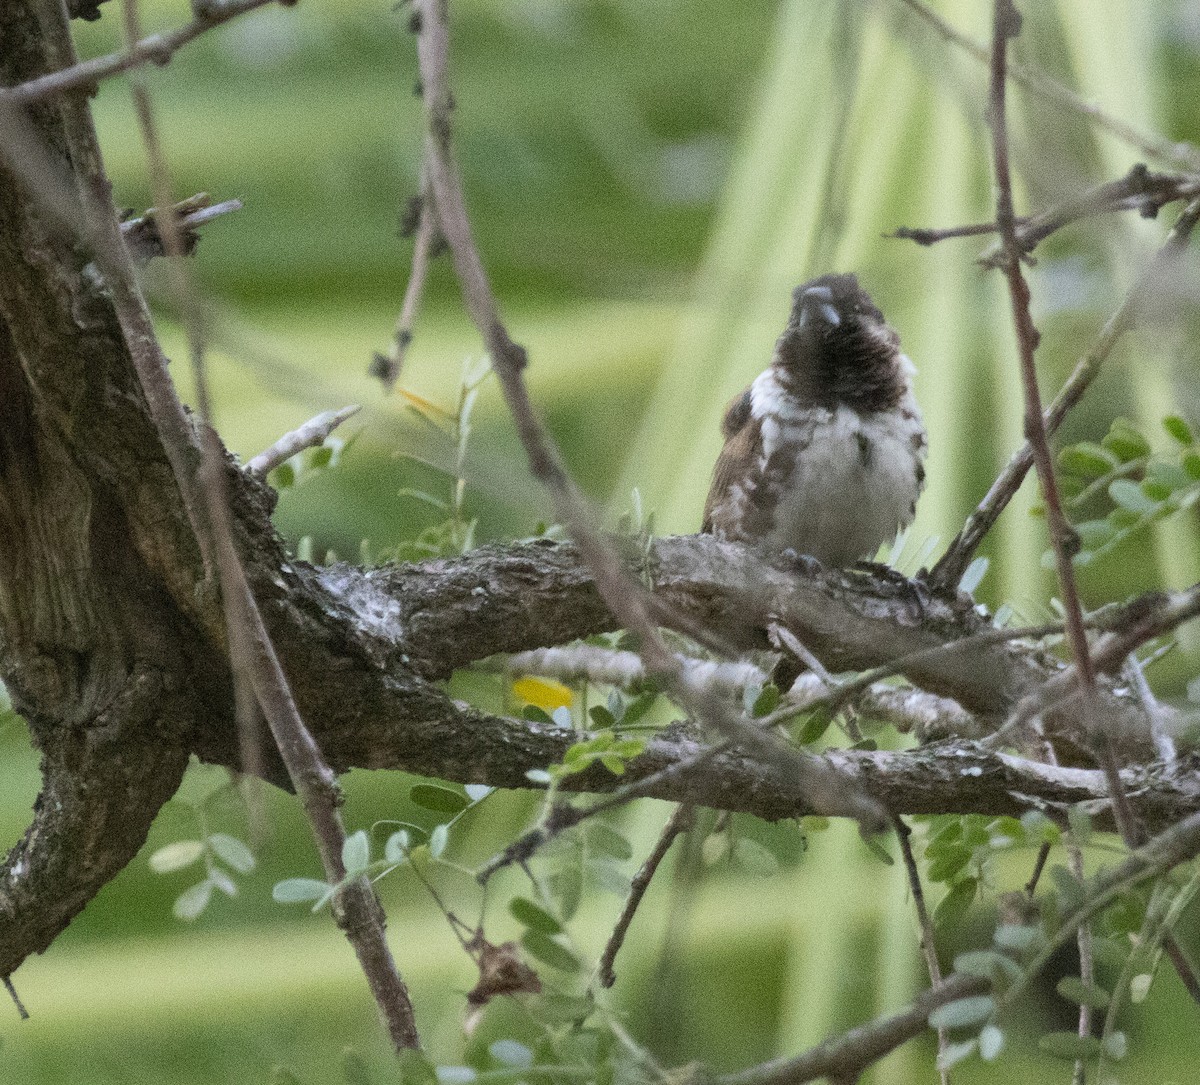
{"x": 546, "y": 693}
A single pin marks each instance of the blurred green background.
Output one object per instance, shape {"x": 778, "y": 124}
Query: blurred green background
{"x": 648, "y": 180}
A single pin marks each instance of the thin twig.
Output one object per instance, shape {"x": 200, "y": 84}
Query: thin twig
{"x": 1139, "y": 190}
{"x": 627, "y": 599}
{"x": 1006, "y": 23}
{"x": 681, "y": 822}
{"x": 925, "y": 924}
{"x": 143, "y": 237}
{"x": 1039, "y": 864}
{"x": 313, "y": 433}
{"x": 1183, "y": 155}
{"x": 953, "y": 563}
{"x": 251, "y": 652}
{"x": 1164, "y": 744}
{"x": 22, "y": 1012}
{"x": 153, "y": 49}
{"x": 388, "y": 367}
{"x": 843, "y": 1058}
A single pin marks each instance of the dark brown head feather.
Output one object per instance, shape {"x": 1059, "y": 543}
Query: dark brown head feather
{"x": 853, "y": 360}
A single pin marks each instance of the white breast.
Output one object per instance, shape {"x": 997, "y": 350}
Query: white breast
{"x": 852, "y": 481}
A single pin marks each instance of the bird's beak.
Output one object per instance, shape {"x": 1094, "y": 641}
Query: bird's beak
{"x": 815, "y": 310}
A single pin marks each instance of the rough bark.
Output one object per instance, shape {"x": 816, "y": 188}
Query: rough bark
{"x": 112, "y": 637}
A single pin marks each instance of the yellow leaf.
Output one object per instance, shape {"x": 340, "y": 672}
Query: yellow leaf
{"x": 543, "y": 692}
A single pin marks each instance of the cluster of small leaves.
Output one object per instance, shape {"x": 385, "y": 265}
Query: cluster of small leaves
{"x": 408, "y": 843}
{"x": 455, "y": 534}
{"x": 1127, "y": 935}
{"x": 960, "y": 850}
{"x": 222, "y": 856}
{"x": 1138, "y": 486}
{"x": 568, "y": 1051}
{"x": 606, "y": 743}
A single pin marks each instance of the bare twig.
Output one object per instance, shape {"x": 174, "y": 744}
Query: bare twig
{"x": 625, "y": 598}
{"x": 153, "y": 49}
{"x": 1006, "y": 23}
{"x": 925, "y": 924}
{"x": 388, "y": 367}
{"x": 310, "y": 435}
{"x": 843, "y": 1058}
{"x": 1139, "y": 190}
{"x": 1164, "y": 744}
{"x": 681, "y": 822}
{"x": 251, "y": 652}
{"x": 954, "y": 562}
{"x": 143, "y": 236}
{"x": 22, "y": 1012}
{"x": 1182, "y": 155}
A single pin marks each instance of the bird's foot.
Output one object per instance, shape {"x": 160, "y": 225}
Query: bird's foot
{"x": 803, "y": 563}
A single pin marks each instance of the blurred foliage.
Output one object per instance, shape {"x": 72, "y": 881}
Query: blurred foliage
{"x": 611, "y": 148}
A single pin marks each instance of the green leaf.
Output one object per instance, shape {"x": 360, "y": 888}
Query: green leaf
{"x": 638, "y": 707}
{"x": 415, "y": 1068}
{"x": 953, "y": 906}
{"x": 601, "y": 716}
{"x": 953, "y": 1054}
{"x": 320, "y": 457}
{"x": 1040, "y": 828}
{"x": 438, "y": 839}
{"x": 752, "y": 857}
{"x": 511, "y": 1053}
{"x": 1139, "y": 987}
{"x": 1190, "y": 461}
{"x": 534, "y": 714}
{"x": 605, "y": 840}
{"x": 1179, "y": 429}
{"x": 533, "y": 916}
{"x": 295, "y": 890}
{"x": 191, "y": 902}
{"x": 963, "y": 1012}
{"x": 613, "y": 763}
{"x": 1123, "y": 439}
{"x": 441, "y": 800}
{"x": 1093, "y": 534}
{"x": 877, "y": 849}
{"x": 284, "y": 476}
{"x": 232, "y": 851}
{"x": 767, "y": 701}
{"x": 1080, "y": 822}
{"x": 396, "y": 848}
{"x": 354, "y": 1068}
{"x": 948, "y": 863}
{"x": 973, "y": 576}
{"x": 609, "y": 878}
{"x": 988, "y": 964}
{"x": 1087, "y": 459}
{"x": 223, "y": 881}
{"x": 1069, "y": 1045}
{"x": 991, "y": 1042}
{"x": 1115, "y": 1045}
{"x": 356, "y": 853}
{"x": 558, "y": 1009}
{"x": 176, "y": 856}
{"x": 1084, "y": 994}
{"x": 814, "y": 726}
{"x": 545, "y": 949}
{"x": 1129, "y": 496}
{"x": 1016, "y": 937}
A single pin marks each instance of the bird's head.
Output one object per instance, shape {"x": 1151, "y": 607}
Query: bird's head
{"x": 837, "y": 348}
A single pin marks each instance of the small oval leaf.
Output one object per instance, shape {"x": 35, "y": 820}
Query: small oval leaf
{"x": 233, "y": 852}
{"x": 441, "y": 800}
{"x": 295, "y": 890}
{"x": 533, "y": 916}
{"x": 963, "y": 1012}
{"x": 511, "y": 1053}
{"x": 438, "y": 839}
{"x": 991, "y": 1042}
{"x": 545, "y": 949}
{"x": 356, "y": 853}
{"x": 176, "y": 856}
{"x": 191, "y": 902}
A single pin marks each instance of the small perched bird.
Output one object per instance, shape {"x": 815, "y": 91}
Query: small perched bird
{"x": 824, "y": 452}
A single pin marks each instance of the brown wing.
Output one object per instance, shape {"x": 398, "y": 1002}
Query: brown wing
{"x": 742, "y": 442}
